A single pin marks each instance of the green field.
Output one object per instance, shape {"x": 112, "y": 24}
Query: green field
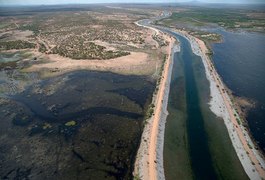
{"x": 230, "y": 18}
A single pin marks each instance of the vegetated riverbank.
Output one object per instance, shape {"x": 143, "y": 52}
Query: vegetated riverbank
{"x": 222, "y": 106}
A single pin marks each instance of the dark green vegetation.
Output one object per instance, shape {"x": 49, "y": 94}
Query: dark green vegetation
{"x": 34, "y": 27}
{"x": 18, "y": 44}
{"x": 230, "y": 18}
{"x": 206, "y": 36}
{"x": 86, "y": 50}
{"x": 42, "y": 48}
{"x": 77, "y": 125}
{"x": 71, "y": 32}
{"x": 83, "y": 125}
{"x": 160, "y": 41}
{"x": 186, "y": 154}
{"x": 11, "y": 60}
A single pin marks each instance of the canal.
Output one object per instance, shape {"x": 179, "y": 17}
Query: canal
{"x": 197, "y": 145}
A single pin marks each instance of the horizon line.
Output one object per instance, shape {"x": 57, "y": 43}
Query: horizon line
{"x": 147, "y": 3}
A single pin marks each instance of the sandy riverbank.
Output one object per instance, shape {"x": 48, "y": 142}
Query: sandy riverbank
{"x": 149, "y": 160}
{"x": 223, "y": 107}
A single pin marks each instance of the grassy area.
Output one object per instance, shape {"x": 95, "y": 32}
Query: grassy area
{"x": 206, "y": 36}
{"x": 4, "y": 25}
{"x": 72, "y": 31}
{"x": 34, "y": 27}
{"x": 86, "y": 50}
{"x": 229, "y": 18}
{"x": 18, "y": 44}
{"x": 42, "y": 48}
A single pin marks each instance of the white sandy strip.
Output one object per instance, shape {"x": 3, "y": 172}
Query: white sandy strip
{"x": 163, "y": 117}
{"x": 149, "y": 159}
{"x": 154, "y": 29}
{"x": 218, "y": 105}
{"x": 143, "y": 164}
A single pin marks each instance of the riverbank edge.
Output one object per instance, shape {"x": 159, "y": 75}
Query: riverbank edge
{"x": 149, "y": 158}
{"x": 222, "y": 106}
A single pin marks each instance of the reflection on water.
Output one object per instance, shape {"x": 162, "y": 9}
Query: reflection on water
{"x": 240, "y": 60}
{"x": 197, "y": 144}
{"x": 200, "y": 157}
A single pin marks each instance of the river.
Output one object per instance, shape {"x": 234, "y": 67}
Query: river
{"x": 240, "y": 61}
{"x": 197, "y": 145}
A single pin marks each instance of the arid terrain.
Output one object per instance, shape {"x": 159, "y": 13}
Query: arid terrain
{"x": 83, "y": 34}
{"x": 76, "y": 83}
{"x": 131, "y": 91}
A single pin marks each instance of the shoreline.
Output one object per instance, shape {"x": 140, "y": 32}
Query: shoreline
{"x": 241, "y": 104}
{"x": 222, "y": 106}
{"x": 149, "y": 158}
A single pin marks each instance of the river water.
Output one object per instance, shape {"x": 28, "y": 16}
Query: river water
{"x": 240, "y": 60}
{"x": 196, "y": 141}
{"x": 199, "y": 152}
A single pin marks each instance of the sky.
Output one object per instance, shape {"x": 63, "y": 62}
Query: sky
{"x": 47, "y": 2}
